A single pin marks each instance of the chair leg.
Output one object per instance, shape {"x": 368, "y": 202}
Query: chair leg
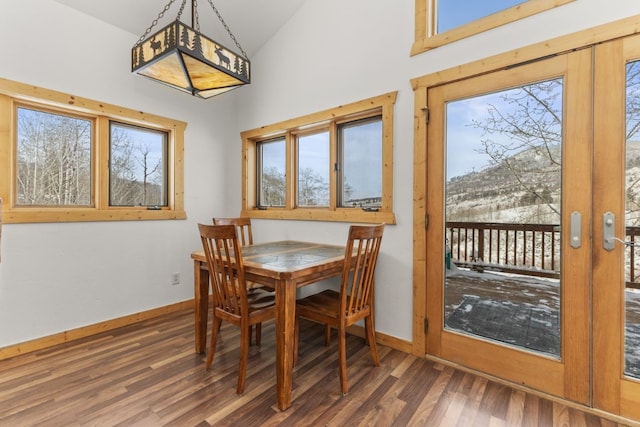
{"x": 342, "y": 352}
{"x": 215, "y": 328}
{"x": 295, "y": 341}
{"x": 327, "y": 335}
{"x": 371, "y": 338}
{"x": 258, "y": 334}
{"x": 244, "y": 358}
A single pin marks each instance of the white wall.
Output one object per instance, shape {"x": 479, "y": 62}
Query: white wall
{"x": 56, "y": 277}
{"x": 335, "y": 52}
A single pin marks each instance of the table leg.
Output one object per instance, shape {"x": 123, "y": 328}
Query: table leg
{"x": 201, "y": 297}
{"x": 285, "y": 324}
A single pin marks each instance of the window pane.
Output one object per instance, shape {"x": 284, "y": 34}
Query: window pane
{"x": 271, "y": 173}
{"x": 360, "y": 183}
{"x": 503, "y": 199}
{"x": 454, "y": 13}
{"x": 632, "y": 223}
{"x": 138, "y": 166}
{"x": 53, "y": 160}
{"x": 313, "y": 170}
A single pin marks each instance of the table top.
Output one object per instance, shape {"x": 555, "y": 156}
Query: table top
{"x": 288, "y": 257}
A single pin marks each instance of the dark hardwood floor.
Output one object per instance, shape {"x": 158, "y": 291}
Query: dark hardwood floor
{"x": 148, "y": 374}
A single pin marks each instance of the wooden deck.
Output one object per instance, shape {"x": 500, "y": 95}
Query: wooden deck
{"x": 147, "y": 374}
{"x": 522, "y": 311}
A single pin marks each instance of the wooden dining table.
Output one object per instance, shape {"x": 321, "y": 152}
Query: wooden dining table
{"x": 283, "y": 266}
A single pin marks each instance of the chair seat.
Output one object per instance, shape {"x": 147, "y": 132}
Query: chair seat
{"x": 259, "y": 299}
{"x": 325, "y": 303}
{"x": 324, "y": 307}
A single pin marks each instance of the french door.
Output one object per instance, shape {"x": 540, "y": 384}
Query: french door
{"x": 616, "y": 259}
{"x": 531, "y": 175}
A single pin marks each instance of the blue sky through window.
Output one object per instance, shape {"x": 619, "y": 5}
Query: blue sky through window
{"x": 365, "y": 144}
{"x": 464, "y": 140}
{"x": 454, "y": 13}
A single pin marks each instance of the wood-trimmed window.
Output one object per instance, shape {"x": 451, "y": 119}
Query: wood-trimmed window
{"x": 428, "y": 37}
{"x": 306, "y": 168}
{"x": 69, "y": 159}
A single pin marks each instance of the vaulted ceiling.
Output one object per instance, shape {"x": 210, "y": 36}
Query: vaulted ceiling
{"x": 252, "y": 22}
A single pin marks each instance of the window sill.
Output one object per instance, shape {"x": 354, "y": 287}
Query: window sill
{"x": 27, "y": 215}
{"x": 339, "y": 215}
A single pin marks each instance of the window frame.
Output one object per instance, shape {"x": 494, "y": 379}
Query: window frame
{"x": 340, "y": 147}
{"x": 14, "y": 94}
{"x": 426, "y": 17}
{"x": 164, "y": 164}
{"x": 381, "y": 105}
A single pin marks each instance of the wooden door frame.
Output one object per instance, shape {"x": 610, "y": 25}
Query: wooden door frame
{"x": 612, "y": 392}
{"x": 420, "y": 85}
{"x": 567, "y": 375}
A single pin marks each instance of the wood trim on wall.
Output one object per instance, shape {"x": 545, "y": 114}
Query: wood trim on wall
{"x": 86, "y": 331}
{"x": 425, "y": 22}
{"x": 14, "y": 94}
{"x": 382, "y": 105}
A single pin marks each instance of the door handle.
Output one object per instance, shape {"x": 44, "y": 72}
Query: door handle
{"x": 609, "y": 238}
{"x": 608, "y": 231}
{"x": 576, "y": 230}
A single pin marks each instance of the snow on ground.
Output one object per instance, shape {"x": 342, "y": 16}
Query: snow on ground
{"x": 522, "y": 311}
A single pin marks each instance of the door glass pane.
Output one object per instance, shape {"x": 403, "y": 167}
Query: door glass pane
{"x": 313, "y": 170}
{"x": 632, "y": 222}
{"x": 502, "y": 209}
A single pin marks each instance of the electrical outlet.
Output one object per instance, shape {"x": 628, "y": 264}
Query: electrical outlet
{"x": 175, "y": 279}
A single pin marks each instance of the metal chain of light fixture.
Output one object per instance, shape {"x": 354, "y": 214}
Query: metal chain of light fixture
{"x": 155, "y": 21}
{"x": 226, "y": 27}
{"x": 196, "y": 21}
{"x": 184, "y": 3}
{"x": 195, "y": 18}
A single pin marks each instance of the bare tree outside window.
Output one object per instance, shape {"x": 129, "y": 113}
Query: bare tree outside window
{"x": 506, "y": 155}
{"x": 137, "y": 175}
{"x": 520, "y": 131}
{"x": 313, "y": 169}
{"x": 358, "y": 167}
{"x": 271, "y": 173}
{"x": 633, "y": 144}
{"x": 53, "y": 159}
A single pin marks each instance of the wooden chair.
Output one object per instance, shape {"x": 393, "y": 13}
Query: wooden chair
{"x": 245, "y": 237}
{"x": 354, "y": 301}
{"x": 231, "y": 301}
{"x": 243, "y": 228}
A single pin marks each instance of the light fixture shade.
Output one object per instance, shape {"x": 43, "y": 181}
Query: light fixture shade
{"x": 182, "y": 58}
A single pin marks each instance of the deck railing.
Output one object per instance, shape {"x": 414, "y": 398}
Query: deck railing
{"x": 529, "y": 249}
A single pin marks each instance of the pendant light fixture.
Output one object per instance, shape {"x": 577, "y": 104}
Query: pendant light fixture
{"x": 180, "y": 56}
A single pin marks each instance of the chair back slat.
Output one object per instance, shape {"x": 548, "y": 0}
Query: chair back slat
{"x": 358, "y": 272}
{"x": 243, "y": 228}
{"x": 226, "y": 268}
